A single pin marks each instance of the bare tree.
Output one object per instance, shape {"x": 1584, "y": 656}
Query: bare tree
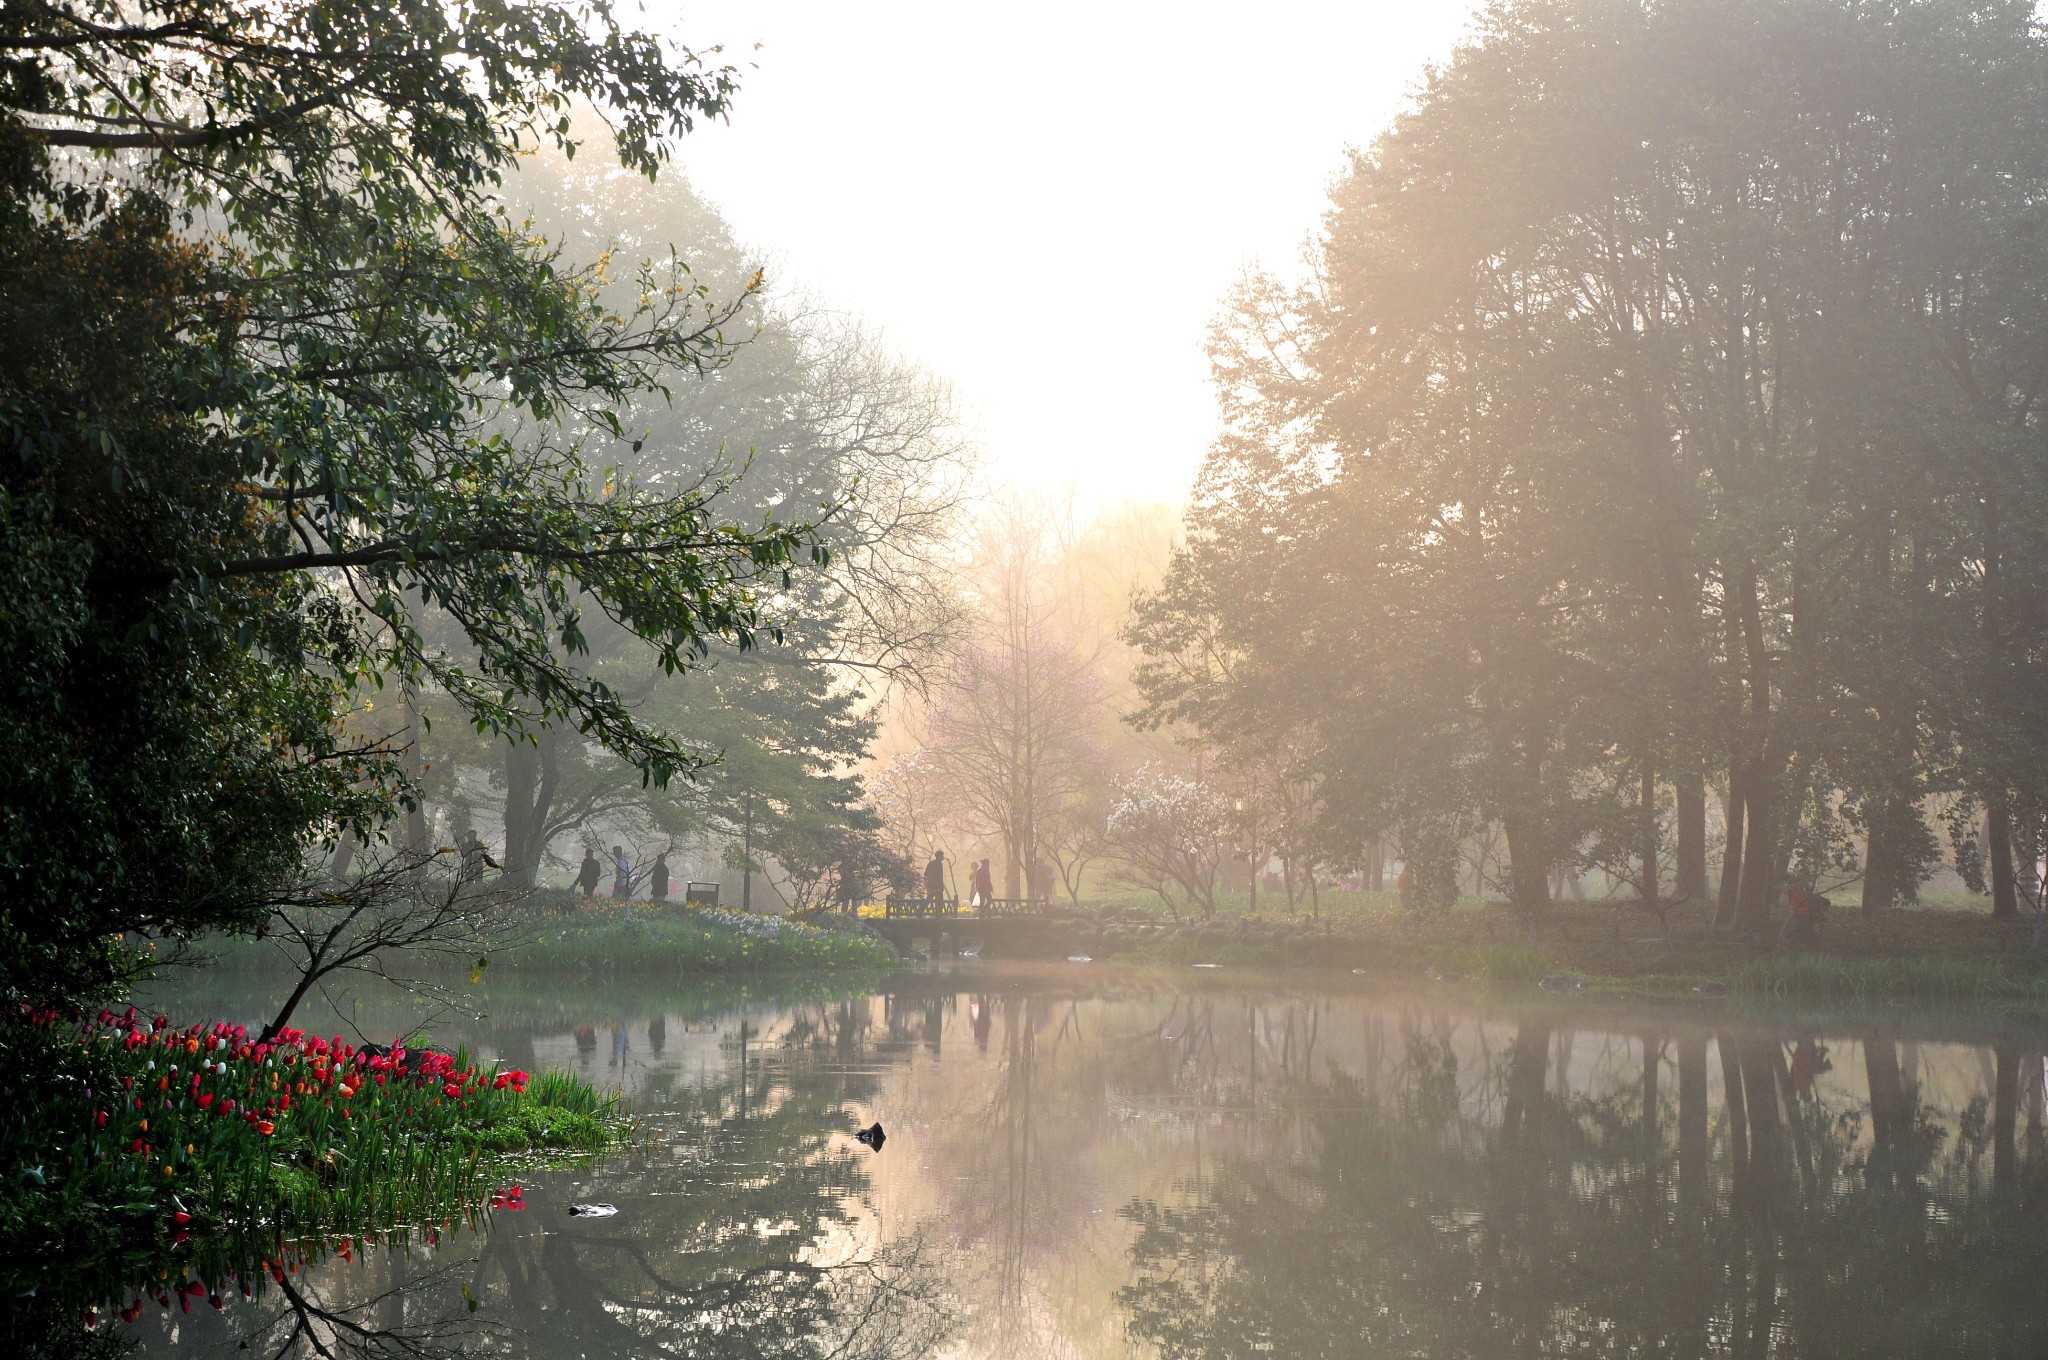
{"x": 1011, "y": 733}
{"x": 905, "y": 794}
{"x": 395, "y": 913}
{"x": 1074, "y": 837}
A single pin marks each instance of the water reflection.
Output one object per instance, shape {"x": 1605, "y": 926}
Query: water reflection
{"x": 1086, "y": 1164}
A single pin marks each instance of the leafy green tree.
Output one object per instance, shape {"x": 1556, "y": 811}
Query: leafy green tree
{"x": 341, "y": 388}
{"x": 1651, "y": 411}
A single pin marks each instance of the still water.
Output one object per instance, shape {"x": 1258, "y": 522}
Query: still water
{"x": 1082, "y": 1162}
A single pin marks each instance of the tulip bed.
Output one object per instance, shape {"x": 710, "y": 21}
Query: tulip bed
{"x": 133, "y": 1143}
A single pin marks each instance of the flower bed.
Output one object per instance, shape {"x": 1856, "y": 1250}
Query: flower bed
{"x": 128, "y": 1138}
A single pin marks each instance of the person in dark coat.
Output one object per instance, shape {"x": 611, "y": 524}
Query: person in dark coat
{"x": 657, "y": 882}
{"x": 935, "y": 877}
{"x": 590, "y": 873}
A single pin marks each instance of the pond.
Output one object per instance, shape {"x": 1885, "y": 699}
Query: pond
{"x": 1088, "y": 1162}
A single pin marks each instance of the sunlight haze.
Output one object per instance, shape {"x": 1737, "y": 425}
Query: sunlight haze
{"x": 1046, "y": 206}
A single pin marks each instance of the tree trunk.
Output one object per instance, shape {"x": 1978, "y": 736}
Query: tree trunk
{"x": 747, "y": 858}
{"x": 1376, "y": 866}
{"x": 1528, "y": 864}
{"x": 1692, "y": 836}
{"x": 522, "y": 778}
{"x": 1880, "y": 875}
{"x": 1759, "y": 864}
{"x": 2026, "y": 847}
{"x": 532, "y": 772}
{"x": 2005, "y": 904}
{"x": 344, "y": 858}
{"x": 1730, "y": 887}
{"x": 1889, "y": 877}
{"x": 1759, "y": 850}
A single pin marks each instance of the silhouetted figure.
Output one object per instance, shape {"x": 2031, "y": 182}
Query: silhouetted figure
{"x": 657, "y": 880}
{"x": 475, "y": 858}
{"x": 935, "y": 877}
{"x": 984, "y": 884}
{"x": 657, "y": 1033}
{"x": 873, "y": 1137}
{"x": 590, "y": 873}
{"x": 622, "y": 873}
{"x": 1807, "y": 912}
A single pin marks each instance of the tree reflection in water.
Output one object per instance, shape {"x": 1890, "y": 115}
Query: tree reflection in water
{"x": 1463, "y": 1203}
{"x": 1095, "y": 1163}
{"x": 739, "y": 1237}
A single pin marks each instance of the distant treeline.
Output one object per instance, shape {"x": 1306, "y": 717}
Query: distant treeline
{"x": 1661, "y": 415}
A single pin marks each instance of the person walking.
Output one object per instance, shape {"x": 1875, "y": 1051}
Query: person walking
{"x": 657, "y": 879}
{"x": 935, "y": 878}
{"x": 590, "y": 873}
{"x": 622, "y": 873}
{"x": 984, "y": 885}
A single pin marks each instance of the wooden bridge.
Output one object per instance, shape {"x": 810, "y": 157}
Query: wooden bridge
{"x": 1013, "y": 926}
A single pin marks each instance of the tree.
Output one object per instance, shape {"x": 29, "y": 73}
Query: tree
{"x": 806, "y": 410}
{"x": 1606, "y": 449}
{"x": 400, "y": 910}
{"x": 1010, "y": 731}
{"x": 341, "y": 389}
{"x": 1167, "y": 830}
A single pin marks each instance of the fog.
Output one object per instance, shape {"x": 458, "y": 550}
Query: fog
{"x": 1005, "y": 191}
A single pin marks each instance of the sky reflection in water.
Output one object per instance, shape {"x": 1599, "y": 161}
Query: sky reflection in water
{"x": 1089, "y": 1163}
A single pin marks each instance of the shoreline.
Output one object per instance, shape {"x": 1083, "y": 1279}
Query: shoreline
{"x": 1910, "y": 955}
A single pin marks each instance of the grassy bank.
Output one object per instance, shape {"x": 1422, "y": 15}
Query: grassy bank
{"x": 129, "y": 1145}
{"x": 1921, "y": 955}
{"x": 624, "y": 939}
{"x": 1939, "y": 979}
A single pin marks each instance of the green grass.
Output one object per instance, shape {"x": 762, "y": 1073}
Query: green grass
{"x": 1834, "y": 977}
{"x": 1508, "y": 963}
{"x": 682, "y": 943}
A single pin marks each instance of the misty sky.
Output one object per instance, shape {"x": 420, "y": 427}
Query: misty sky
{"x": 1045, "y": 204}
